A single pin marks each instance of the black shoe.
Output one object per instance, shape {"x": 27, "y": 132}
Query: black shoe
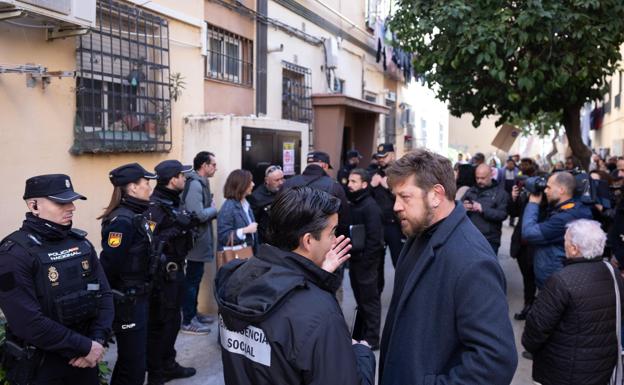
{"x": 523, "y": 313}
{"x": 178, "y": 371}
{"x": 527, "y": 355}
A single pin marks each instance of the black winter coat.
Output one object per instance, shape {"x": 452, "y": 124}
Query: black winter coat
{"x": 280, "y": 324}
{"x": 494, "y": 201}
{"x": 365, "y": 211}
{"x": 571, "y": 328}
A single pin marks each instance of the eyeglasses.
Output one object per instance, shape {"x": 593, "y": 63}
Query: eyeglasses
{"x": 272, "y": 168}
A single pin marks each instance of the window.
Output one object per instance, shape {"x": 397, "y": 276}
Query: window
{"x": 296, "y": 93}
{"x": 230, "y": 57}
{"x": 370, "y": 96}
{"x": 123, "y": 101}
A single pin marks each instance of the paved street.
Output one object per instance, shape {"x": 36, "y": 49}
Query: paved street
{"x": 202, "y": 352}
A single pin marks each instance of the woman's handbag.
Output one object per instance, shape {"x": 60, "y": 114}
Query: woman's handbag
{"x": 231, "y": 252}
{"x": 617, "y": 378}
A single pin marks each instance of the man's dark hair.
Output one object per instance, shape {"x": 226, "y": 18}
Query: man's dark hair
{"x": 201, "y": 158}
{"x": 428, "y": 170}
{"x": 297, "y": 211}
{"x": 566, "y": 180}
{"x": 362, "y": 173}
{"x": 237, "y": 184}
{"x": 465, "y": 175}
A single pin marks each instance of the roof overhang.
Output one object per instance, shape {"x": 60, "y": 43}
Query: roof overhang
{"x": 341, "y": 100}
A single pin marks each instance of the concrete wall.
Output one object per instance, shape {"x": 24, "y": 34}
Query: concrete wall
{"x": 37, "y": 124}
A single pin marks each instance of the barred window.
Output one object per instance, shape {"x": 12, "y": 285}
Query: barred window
{"x": 296, "y": 93}
{"x": 123, "y": 95}
{"x": 230, "y": 57}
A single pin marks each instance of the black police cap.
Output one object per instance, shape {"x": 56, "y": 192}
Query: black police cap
{"x": 56, "y": 187}
{"x": 129, "y": 173}
{"x": 353, "y": 154}
{"x": 167, "y": 169}
{"x": 319, "y": 156}
{"x": 384, "y": 149}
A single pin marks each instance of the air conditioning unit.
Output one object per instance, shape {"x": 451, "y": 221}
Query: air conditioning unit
{"x": 59, "y": 15}
{"x": 331, "y": 50}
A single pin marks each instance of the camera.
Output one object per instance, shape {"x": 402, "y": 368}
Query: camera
{"x": 535, "y": 184}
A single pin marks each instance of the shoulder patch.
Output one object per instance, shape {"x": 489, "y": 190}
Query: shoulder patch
{"x": 114, "y": 239}
{"x": 568, "y": 206}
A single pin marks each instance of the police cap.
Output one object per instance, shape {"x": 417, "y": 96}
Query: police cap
{"x": 383, "y": 150}
{"x": 129, "y": 173}
{"x": 319, "y": 156}
{"x": 56, "y": 187}
{"x": 167, "y": 169}
{"x": 353, "y": 154}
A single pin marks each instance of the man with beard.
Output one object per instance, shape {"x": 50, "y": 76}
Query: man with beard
{"x": 547, "y": 237}
{"x": 262, "y": 198}
{"x": 448, "y": 268}
{"x": 486, "y": 204}
{"x": 365, "y": 264}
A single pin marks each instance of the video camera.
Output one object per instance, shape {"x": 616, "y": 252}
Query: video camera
{"x": 588, "y": 190}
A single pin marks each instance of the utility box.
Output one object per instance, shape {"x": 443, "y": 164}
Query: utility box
{"x": 60, "y": 14}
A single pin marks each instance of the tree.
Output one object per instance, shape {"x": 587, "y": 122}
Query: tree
{"x": 515, "y": 58}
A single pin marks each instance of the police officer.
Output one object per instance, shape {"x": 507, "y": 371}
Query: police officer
{"x": 382, "y": 194}
{"x": 173, "y": 228}
{"x": 53, "y": 292}
{"x": 126, "y": 252}
{"x": 353, "y": 161}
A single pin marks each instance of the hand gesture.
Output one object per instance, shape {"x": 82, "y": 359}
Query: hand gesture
{"x": 384, "y": 182}
{"x": 515, "y": 192}
{"x": 476, "y": 206}
{"x": 337, "y": 255}
{"x": 468, "y": 205}
{"x": 376, "y": 180}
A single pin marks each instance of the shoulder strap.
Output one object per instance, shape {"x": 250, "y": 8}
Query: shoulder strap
{"x": 187, "y": 185}
{"x": 618, "y": 326}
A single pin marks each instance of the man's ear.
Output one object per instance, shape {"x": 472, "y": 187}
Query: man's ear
{"x": 306, "y": 242}
{"x": 32, "y": 206}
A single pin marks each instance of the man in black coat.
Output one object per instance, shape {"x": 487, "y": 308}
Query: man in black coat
{"x": 571, "y": 329}
{"x": 279, "y": 322}
{"x": 447, "y": 270}
{"x": 315, "y": 176}
{"x": 262, "y": 198}
{"x": 353, "y": 161}
{"x": 364, "y": 267}
{"x": 486, "y": 204}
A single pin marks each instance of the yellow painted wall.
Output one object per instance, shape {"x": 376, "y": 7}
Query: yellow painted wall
{"x": 36, "y": 124}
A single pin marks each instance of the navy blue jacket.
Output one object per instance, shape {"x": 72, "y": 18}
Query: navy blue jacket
{"x": 232, "y": 217}
{"x": 449, "y": 324}
{"x": 547, "y": 236}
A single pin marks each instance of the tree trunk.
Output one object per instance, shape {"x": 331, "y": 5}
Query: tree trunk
{"x": 572, "y": 124}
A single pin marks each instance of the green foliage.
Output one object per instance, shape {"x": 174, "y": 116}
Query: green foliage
{"x": 104, "y": 372}
{"x": 514, "y": 58}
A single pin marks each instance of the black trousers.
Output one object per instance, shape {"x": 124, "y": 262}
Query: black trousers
{"x": 364, "y": 281}
{"x": 525, "y": 263}
{"x": 393, "y": 238}
{"x": 131, "y": 337}
{"x": 55, "y": 370}
{"x": 165, "y": 318}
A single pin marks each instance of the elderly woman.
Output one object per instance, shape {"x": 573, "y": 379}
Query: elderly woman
{"x": 571, "y": 328}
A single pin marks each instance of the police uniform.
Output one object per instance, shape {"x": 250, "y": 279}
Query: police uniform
{"x": 53, "y": 292}
{"x": 343, "y": 173}
{"x": 126, "y": 258}
{"x": 172, "y": 229}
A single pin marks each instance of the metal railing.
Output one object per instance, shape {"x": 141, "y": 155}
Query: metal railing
{"x": 229, "y": 58}
{"x": 123, "y": 95}
{"x": 296, "y": 93}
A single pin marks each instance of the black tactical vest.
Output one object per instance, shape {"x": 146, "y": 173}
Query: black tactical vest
{"x": 65, "y": 284}
{"x": 134, "y": 272}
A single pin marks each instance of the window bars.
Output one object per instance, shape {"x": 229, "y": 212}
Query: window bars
{"x": 123, "y": 97}
{"x": 230, "y": 57}
{"x": 296, "y": 93}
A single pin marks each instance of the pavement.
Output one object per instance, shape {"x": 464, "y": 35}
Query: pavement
{"x": 203, "y": 353}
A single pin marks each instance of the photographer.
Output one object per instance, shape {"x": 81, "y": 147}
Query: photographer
{"x": 519, "y": 249}
{"x": 547, "y": 236}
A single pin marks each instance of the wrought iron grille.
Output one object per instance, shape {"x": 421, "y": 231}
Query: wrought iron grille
{"x": 123, "y": 91}
{"x": 296, "y": 93}
{"x": 230, "y": 57}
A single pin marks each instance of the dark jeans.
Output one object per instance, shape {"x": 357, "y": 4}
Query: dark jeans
{"x": 131, "y": 346}
{"x": 163, "y": 326}
{"x": 55, "y": 370}
{"x": 525, "y": 263}
{"x": 194, "y": 274}
{"x": 393, "y": 238}
{"x": 364, "y": 281}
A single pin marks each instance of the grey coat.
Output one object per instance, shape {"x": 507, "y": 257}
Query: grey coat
{"x": 198, "y": 200}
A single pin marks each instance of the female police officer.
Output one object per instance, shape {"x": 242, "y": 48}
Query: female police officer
{"x": 126, "y": 251}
